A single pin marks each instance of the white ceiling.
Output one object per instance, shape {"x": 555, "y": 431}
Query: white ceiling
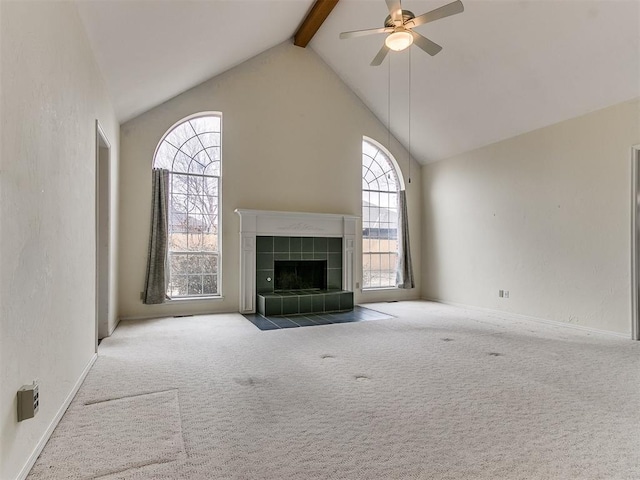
{"x": 151, "y": 50}
{"x": 507, "y": 66}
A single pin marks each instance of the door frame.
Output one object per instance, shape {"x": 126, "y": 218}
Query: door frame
{"x": 635, "y": 242}
{"x": 102, "y": 208}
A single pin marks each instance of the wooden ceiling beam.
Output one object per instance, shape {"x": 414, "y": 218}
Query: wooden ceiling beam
{"x": 313, "y": 21}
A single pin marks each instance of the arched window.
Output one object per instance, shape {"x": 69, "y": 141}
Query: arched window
{"x": 381, "y": 183}
{"x": 190, "y": 150}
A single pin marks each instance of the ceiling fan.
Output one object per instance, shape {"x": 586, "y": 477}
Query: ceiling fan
{"x": 399, "y": 25}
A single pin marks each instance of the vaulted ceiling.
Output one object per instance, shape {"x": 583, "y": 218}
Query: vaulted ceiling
{"x": 507, "y": 67}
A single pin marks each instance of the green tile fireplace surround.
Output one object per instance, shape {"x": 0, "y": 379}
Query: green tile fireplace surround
{"x": 317, "y": 249}
{"x": 270, "y": 249}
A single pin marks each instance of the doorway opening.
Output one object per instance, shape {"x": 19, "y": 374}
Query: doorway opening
{"x": 103, "y": 232}
{"x": 635, "y": 242}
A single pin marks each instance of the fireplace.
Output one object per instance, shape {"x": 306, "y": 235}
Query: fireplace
{"x": 286, "y": 263}
{"x": 300, "y": 275}
{"x": 268, "y": 237}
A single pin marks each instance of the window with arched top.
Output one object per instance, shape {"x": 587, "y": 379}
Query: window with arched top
{"x": 191, "y": 151}
{"x": 381, "y": 183}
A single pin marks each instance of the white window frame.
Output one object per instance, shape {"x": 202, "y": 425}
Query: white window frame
{"x": 218, "y": 294}
{"x": 400, "y": 184}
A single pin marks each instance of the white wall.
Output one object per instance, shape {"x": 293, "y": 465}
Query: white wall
{"x": 545, "y": 215}
{"x": 292, "y": 134}
{"x": 52, "y": 94}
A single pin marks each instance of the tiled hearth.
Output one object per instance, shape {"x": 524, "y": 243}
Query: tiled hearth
{"x": 358, "y": 314}
{"x": 304, "y": 301}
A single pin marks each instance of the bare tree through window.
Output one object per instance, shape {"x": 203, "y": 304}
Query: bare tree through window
{"x": 191, "y": 152}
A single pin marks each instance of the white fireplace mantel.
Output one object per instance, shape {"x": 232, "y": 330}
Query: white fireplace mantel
{"x": 290, "y": 224}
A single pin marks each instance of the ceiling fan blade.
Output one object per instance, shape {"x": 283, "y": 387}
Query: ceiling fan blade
{"x": 395, "y": 11}
{"x": 380, "y": 56}
{"x": 425, "y": 44}
{"x": 360, "y": 33}
{"x": 438, "y": 13}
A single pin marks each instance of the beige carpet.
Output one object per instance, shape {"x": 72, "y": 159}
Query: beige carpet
{"x": 436, "y": 393}
{"x": 116, "y": 435}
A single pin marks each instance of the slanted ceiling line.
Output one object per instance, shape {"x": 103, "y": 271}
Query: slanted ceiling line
{"x": 313, "y": 21}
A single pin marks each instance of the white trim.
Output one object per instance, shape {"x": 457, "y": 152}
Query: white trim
{"x": 401, "y": 187}
{"x": 392, "y": 159}
{"x": 220, "y": 210}
{"x": 192, "y": 299}
{"x": 101, "y": 184}
{"x": 170, "y": 315}
{"x": 296, "y": 230}
{"x": 635, "y": 241}
{"x": 208, "y": 113}
{"x": 150, "y": 317}
{"x": 54, "y": 423}
{"x": 113, "y": 329}
{"x": 519, "y": 316}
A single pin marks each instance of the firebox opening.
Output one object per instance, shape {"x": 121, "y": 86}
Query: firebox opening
{"x": 300, "y": 275}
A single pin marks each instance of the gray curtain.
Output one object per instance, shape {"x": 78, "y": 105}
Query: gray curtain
{"x": 404, "y": 272}
{"x": 156, "y": 283}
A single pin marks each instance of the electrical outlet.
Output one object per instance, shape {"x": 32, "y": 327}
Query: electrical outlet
{"x": 506, "y": 294}
{"x": 357, "y": 284}
{"x": 501, "y": 293}
{"x": 28, "y": 401}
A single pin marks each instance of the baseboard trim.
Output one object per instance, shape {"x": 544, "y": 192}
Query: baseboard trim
{"x": 530, "y": 318}
{"x": 186, "y": 314}
{"x": 54, "y": 423}
{"x": 142, "y": 317}
{"x": 115, "y": 325}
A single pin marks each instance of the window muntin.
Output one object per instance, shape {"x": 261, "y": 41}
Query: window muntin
{"x": 380, "y": 186}
{"x": 191, "y": 152}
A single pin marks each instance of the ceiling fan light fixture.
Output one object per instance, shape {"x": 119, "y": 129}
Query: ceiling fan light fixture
{"x": 399, "y": 40}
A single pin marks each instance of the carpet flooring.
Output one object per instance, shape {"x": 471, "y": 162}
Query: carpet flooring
{"x": 437, "y": 392}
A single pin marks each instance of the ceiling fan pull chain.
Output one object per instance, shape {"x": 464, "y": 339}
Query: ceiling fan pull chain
{"x": 389, "y": 105}
{"x": 409, "y": 116}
